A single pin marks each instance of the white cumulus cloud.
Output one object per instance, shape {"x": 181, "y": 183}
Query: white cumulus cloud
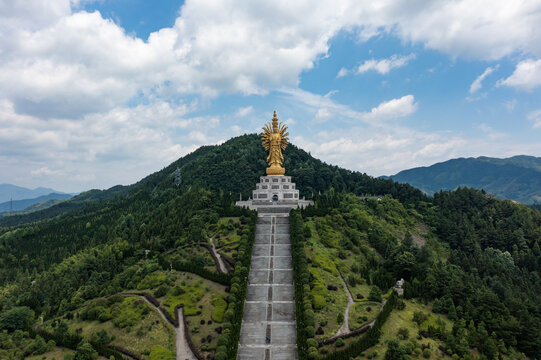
{"x": 526, "y": 76}
{"x": 58, "y": 61}
{"x": 384, "y": 66}
{"x": 71, "y": 80}
{"x": 393, "y": 109}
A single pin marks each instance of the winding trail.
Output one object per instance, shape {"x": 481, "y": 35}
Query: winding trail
{"x": 221, "y": 264}
{"x": 344, "y": 329}
{"x": 182, "y": 348}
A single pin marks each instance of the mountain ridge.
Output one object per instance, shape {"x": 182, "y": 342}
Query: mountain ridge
{"x": 14, "y": 192}
{"x": 24, "y": 204}
{"x": 517, "y": 178}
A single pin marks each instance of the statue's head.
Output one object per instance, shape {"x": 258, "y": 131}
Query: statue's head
{"x": 274, "y": 123}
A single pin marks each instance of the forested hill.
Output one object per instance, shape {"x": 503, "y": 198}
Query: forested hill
{"x": 38, "y": 240}
{"x": 71, "y": 265}
{"x": 478, "y": 265}
{"x": 101, "y": 243}
{"x": 235, "y": 167}
{"x": 517, "y": 178}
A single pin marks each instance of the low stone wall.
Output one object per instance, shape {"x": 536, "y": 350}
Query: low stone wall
{"x": 126, "y": 352}
{"x": 355, "y": 332}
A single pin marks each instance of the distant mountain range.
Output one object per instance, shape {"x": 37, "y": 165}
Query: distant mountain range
{"x": 18, "y": 198}
{"x": 19, "y": 205}
{"x": 13, "y": 192}
{"x": 517, "y": 178}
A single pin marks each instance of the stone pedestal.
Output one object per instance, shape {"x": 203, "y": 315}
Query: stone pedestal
{"x": 275, "y": 188}
{"x": 275, "y": 192}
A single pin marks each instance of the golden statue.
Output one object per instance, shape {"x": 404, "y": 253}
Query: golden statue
{"x": 275, "y": 139}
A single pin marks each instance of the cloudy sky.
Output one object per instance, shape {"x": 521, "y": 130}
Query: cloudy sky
{"x": 98, "y": 93}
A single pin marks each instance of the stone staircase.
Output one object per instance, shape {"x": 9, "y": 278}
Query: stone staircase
{"x": 268, "y": 327}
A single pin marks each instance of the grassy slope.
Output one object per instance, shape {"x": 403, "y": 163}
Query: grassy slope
{"x": 327, "y": 257}
{"x": 196, "y": 297}
{"x": 404, "y": 319}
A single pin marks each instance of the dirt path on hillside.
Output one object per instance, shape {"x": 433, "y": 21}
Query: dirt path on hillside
{"x": 344, "y": 329}
{"x": 182, "y": 348}
{"x": 221, "y": 264}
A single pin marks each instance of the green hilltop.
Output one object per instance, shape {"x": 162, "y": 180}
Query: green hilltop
{"x": 91, "y": 274}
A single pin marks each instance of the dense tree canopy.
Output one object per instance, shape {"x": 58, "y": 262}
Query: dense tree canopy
{"x": 483, "y": 269}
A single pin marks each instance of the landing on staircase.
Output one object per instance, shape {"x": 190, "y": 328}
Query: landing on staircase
{"x": 268, "y": 327}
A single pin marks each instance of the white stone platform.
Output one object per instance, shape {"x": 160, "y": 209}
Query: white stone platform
{"x": 274, "y": 194}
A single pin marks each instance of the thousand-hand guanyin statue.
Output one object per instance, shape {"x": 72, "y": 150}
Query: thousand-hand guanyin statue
{"x": 275, "y": 139}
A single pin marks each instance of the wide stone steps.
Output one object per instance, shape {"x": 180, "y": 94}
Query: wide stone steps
{"x": 268, "y": 327}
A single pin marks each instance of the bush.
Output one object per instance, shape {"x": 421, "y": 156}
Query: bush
{"x": 85, "y": 351}
{"x": 403, "y": 333}
{"x": 221, "y": 353}
{"x": 319, "y": 302}
{"x": 312, "y": 343}
{"x": 419, "y": 317}
{"x": 219, "y": 308}
{"x": 177, "y": 291}
{"x": 427, "y": 353}
{"x": 375, "y": 294}
{"x": 340, "y": 318}
{"x": 160, "y": 291}
{"x": 373, "y": 354}
{"x": 339, "y": 342}
{"x": 17, "y": 318}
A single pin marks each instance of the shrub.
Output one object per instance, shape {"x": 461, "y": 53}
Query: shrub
{"x": 340, "y": 318}
{"x": 17, "y": 318}
{"x": 319, "y": 302}
{"x": 372, "y": 355}
{"x": 375, "y": 294}
{"x": 312, "y": 353}
{"x": 312, "y": 343}
{"x": 419, "y": 317}
{"x": 219, "y": 308}
{"x": 339, "y": 342}
{"x": 160, "y": 291}
{"x": 85, "y": 351}
{"x": 427, "y": 353}
{"x": 177, "y": 291}
{"x": 403, "y": 333}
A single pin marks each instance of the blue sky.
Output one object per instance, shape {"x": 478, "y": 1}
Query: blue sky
{"x": 97, "y": 93}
